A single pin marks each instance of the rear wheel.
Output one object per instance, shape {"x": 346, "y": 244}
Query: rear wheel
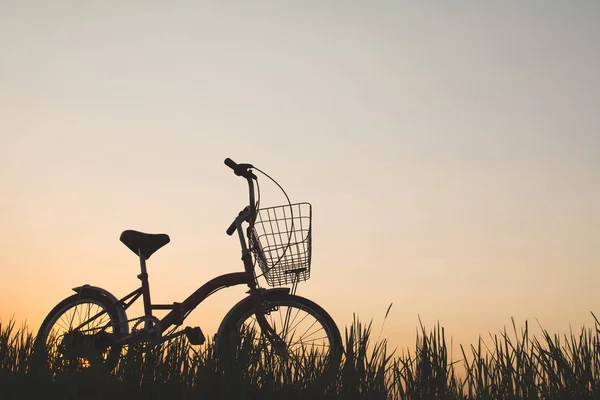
{"x": 313, "y": 341}
{"x": 80, "y": 331}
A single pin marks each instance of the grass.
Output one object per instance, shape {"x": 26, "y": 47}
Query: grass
{"x": 509, "y": 365}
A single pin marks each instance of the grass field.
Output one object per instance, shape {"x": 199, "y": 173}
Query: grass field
{"x": 509, "y": 365}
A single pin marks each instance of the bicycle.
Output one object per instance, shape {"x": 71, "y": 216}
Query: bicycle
{"x": 91, "y": 326}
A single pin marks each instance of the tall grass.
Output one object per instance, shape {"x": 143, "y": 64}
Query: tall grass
{"x": 508, "y": 365}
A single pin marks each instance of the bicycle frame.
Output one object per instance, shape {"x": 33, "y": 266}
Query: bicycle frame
{"x": 179, "y": 311}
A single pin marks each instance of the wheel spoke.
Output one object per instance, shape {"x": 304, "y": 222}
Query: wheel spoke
{"x": 302, "y": 320}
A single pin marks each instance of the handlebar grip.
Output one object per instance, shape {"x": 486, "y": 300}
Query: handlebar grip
{"x": 231, "y": 229}
{"x": 245, "y": 214}
{"x": 231, "y": 164}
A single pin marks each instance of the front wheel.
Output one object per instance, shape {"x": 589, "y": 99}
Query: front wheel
{"x": 80, "y": 331}
{"x": 313, "y": 341}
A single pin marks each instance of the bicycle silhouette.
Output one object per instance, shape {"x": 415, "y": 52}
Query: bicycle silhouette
{"x": 92, "y": 326}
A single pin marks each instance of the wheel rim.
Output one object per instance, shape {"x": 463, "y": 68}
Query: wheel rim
{"x": 308, "y": 337}
{"x": 79, "y": 335}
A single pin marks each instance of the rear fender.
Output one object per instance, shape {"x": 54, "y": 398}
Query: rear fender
{"x": 123, "y": 323}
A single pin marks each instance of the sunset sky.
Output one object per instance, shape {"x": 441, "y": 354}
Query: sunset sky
{"x": 451, "y": 151}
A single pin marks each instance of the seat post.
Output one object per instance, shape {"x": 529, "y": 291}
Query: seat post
{"x": 145, "y": 287}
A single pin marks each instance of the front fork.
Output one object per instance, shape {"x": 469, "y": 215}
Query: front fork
{"x": 277, "y": 342}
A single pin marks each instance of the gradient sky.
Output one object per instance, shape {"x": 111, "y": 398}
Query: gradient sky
{"x": 450, "y": 150}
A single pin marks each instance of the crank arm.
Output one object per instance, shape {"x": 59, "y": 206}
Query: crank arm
{"x": 132, "y": 338}
{"x": 171, "y": 336}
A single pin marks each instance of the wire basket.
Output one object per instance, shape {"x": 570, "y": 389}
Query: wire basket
{"x": 281, "y": 244}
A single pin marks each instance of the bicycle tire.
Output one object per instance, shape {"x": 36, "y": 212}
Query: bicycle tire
{"x": 231, "y": 343}
{"x": 48, "y": 336}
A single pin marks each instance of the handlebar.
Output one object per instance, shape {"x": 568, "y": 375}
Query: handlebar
{"x": 240, "y": 169}
{"x": 247, "y": 214}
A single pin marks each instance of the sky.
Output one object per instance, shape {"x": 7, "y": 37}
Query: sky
{"x": 450, "y": 151}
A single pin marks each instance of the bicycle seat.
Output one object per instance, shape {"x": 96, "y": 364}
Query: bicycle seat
{"x": 144, "y": 243}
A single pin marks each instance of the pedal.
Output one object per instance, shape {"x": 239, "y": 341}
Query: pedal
{"x": 194, "y": 335}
